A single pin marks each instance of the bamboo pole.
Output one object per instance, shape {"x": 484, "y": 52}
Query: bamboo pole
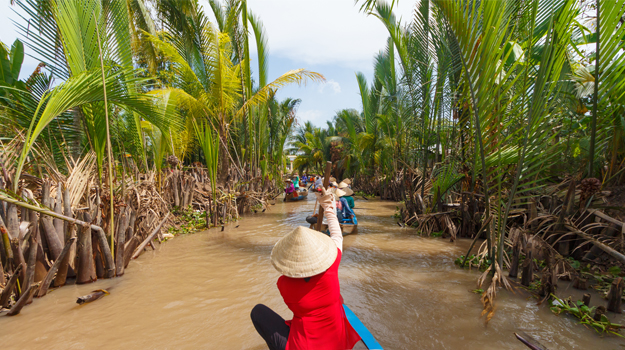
{"x": 326, "y": 183}
{"x": 108, "y": 144}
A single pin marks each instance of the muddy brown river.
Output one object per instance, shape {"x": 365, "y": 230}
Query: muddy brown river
{"x": 196, "y": 292}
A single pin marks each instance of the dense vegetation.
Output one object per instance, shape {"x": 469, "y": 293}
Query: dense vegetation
{"x": 137, "y": 110}
{"x": 494, "y": 119}
{"x": 508, "y": 102}
{"x": 114, "y": 77}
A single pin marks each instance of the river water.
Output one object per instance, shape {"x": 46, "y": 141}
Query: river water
{"x": 196, "y": 291}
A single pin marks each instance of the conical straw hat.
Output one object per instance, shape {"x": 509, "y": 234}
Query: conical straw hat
{"x": 332, "y": 179}
{"x": 342, "y": 185}
{"x": 338, "y": 192}
{"x": 303, "y": 253}
{"x": 348, "y": 191}
{"x": 347, "y": 181}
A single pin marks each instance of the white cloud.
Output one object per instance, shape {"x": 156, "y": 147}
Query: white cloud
{"x": 323, "y": 31}
{"x": 332, "y": 85}
{"x": 315, "y": 116}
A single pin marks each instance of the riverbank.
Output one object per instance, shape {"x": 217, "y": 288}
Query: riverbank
{"x": 70, "y": 231}
{"x": 197, "y": 291}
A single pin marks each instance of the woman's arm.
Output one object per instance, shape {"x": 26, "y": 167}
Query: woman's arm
{"x": 328, "y": 203}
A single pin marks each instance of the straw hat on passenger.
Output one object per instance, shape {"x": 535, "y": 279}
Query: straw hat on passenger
{"x": 348, "y": 191}
{"x": 332, "y": 179}
{"x": 347, "y": 181}
{"x": 338, "y": 192}
{"x": 303, "y": 253}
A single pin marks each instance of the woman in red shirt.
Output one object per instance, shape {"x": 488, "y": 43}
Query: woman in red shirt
{"x": 309, "y": 261}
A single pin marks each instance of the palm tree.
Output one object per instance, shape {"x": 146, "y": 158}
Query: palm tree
{"x": 209, "y": 86}
{"x": 66, "y": 43}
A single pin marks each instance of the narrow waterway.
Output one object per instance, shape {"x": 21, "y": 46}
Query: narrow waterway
{"x": 196, "y": 292}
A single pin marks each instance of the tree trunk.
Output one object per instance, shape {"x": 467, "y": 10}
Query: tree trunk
{"x": 58, "y": 208}
{"x": 615, "y": 294}
{"x": 528, "y": 270}
{"x": 516, "y": 252}
{"x": 131, "y": 226}
{"x": 52, "y": 238}
{"x": 23, "y": 300}
{"x": 175, "y": 180}
{"x": 32, "y": 257}
{"x": 129, "y": 249}
{"x": 65, "y": 268}
{"x": 8, "y": 289}
{"x": 85, "y": 271}
{"x": 124, "y": 221}
{"x": 48, "y": 279}
{"x": 224, "y": 160}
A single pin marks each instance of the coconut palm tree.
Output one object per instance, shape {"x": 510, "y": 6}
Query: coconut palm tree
{"x": 209, "y": 87}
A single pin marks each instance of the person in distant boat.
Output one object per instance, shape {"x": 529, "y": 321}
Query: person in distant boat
{"x": 344, "y": 212}
{"x": 296, "y": 181}
{"x": 289, "y": 187}
{"x": 318, "y": 183}
{"x": 348, "y": 194}
{"x": 309, "y": 261}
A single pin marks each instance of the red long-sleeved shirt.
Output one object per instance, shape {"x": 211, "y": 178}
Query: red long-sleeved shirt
{"x": 319, "y": 320}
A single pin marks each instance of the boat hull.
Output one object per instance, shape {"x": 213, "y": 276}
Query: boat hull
{"x": 362, "y": 331}
{"x": 347, "y": 229}
{"x": 292, "y": 197}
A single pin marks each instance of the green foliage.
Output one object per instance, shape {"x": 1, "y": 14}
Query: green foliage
{"x": 11, "y": 65}
{"x": 210, "y": 146}
{"x": 191, "y": 221}
{"x": 585, "y": 315}
{"x": 363, "y": 194}
{"x": 474, "y": 261}
{"x": 437, "y": 234}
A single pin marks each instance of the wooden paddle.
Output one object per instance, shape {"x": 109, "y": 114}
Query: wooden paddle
{"x": 326, "y": 183}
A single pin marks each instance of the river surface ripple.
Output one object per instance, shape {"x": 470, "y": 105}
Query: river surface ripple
{"x": 196, "y": 292}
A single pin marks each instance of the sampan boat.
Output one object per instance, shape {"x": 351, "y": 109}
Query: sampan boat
{"x": 296, "y": 196}
{"x": 347, "y": 228}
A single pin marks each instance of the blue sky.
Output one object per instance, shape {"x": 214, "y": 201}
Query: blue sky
{"x": 327, "y": 36}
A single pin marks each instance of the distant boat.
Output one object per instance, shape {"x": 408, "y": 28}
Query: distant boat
{"x": 362, "y": 331}
{"x": 296, "y": 196}
{"x": 346, "y": 228}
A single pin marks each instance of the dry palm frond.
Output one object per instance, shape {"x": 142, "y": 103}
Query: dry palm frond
{"x": 584, "y": 82}
{"x": 43, "y": 154}
{"x": 488, "y": 297}
{"x": 10, "y": 152}
{"x": 81, "y": 173}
